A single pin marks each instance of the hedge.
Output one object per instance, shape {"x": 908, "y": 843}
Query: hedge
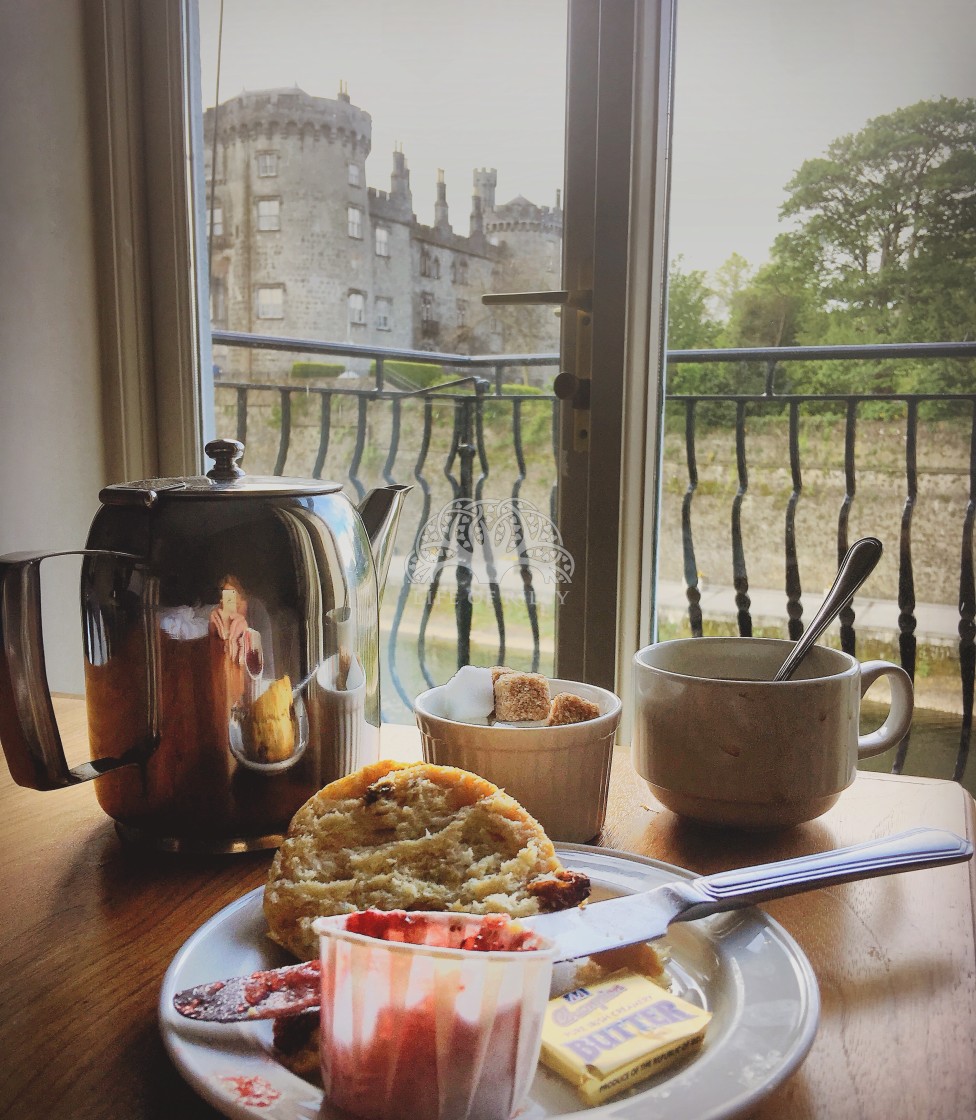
{"x": 317, "y": 369}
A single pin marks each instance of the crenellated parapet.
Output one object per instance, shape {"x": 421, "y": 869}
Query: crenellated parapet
{"x": 271, "y": 115}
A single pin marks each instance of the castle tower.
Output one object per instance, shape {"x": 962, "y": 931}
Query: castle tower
{"x": 441, "y": 221}
{"x": 400, "y": 178}
{"x": 485, "y": 181}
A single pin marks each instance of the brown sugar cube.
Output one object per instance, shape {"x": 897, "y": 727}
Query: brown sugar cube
{"x": 521, "y": 696}
{"x": 567, "y": 707}
{"x": 499, "y": 671}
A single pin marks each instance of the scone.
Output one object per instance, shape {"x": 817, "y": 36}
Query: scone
{"x": 412, "y": 836}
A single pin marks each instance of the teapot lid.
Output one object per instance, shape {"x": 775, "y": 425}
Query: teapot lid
{"x": 225, "y": 477}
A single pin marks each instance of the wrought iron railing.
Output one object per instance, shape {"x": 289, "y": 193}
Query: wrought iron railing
{"x": 477, "y": 381}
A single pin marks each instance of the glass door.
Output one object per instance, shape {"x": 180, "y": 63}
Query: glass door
{"x": 370, "y": 172}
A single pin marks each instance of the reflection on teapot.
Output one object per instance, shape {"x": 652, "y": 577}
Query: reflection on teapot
{"x": 200, "y": 596}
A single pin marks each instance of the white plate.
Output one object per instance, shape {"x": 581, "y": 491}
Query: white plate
{"x": 743, "y": 967}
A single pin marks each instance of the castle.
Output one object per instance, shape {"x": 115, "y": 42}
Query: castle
{"x": 301, "y": 246}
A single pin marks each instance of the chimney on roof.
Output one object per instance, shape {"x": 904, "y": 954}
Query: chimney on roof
{"x": 440, "y": 206}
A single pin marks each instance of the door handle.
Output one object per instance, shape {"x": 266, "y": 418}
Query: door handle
{"x": 573, "y": 387}
{"x": 580, "y": 299}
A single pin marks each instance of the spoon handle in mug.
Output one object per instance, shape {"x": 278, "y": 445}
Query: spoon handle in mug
{"x": 859, "y": 562}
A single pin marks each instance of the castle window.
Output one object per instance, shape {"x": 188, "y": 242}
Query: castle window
{"x": 354, "y": 174}
{"x": 384, "y": 313}
{"x": 426, "y": 307}
{"x": 382, "y": 242}
{"x": 424, "y": 261}
{"x": 269, "y": 213}
{"x": 354, "y": 221}
{"x": 270, "y": 302}
{"x": 356, "y": 303}
{"x": 435, "y": 267}
{"x": 215, "y": 221}
{"x": 462, "y": 312}
{"x": 267, "y": 164}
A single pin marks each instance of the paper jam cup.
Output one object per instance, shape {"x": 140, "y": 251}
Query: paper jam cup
{"x": 425, "y": 1030}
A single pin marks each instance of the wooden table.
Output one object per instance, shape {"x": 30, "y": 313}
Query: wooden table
{"x": 89, "y": 928}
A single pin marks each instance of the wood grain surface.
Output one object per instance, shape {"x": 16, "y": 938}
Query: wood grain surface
{"x": 89, "y": 927}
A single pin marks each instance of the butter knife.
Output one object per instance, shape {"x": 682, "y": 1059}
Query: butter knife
{"x": 647, "y": 914}
{"x": 616, "y": 922}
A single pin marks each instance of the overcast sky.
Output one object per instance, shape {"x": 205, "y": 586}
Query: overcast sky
{"x": 761, "y": 85}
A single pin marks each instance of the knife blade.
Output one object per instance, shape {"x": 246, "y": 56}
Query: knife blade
{"x": 646, "y": 915}
{"x": 268, "y": 994}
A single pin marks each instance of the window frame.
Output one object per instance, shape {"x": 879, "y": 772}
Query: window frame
{"x": 354, "y": 226}
{"x": 152, "y": 302}
{"x": 385, "y": 242}
{"x": 154, "y": 307}
{"x": 275, "y": 214}
{"x": 260, "y": 164}
{"x": 361, "y": 320}
{"x": 264, "y": 288}
{"x": 379, "y": 304}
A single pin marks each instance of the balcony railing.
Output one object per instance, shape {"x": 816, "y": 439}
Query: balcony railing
{"x": 478, "y": 382}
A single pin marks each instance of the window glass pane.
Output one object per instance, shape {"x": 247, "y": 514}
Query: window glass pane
{"x": 375, "y": 194}
{"x": 822, "y": 173}
{"x": 270, "y": 303}
{"x": 357, "y": 308}
{"x": 269, "y": 216}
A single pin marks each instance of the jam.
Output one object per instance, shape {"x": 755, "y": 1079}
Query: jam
{"x": 476, "y": 1082}
{"x": 489, "y": 934}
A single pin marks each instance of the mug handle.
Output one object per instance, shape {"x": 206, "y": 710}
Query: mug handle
{"x": 28, "y": 730}
{"x": 899, "y": 719}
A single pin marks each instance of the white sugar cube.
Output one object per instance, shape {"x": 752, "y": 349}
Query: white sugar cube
{"x": 469, "y": 697}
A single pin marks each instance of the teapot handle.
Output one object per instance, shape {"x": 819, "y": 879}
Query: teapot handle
{"x": 28, "y": 730}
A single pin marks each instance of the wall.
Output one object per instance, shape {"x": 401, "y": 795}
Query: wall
{"x": 50, "y": 429}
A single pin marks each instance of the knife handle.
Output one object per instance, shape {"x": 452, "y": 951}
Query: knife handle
{"x": 918, "y": 847}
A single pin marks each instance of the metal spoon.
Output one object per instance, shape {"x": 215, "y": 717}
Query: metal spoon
{"x": 861, "y": 559}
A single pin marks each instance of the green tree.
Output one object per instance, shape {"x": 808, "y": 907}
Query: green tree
{"x": 690, "y": 324}
{"x": 730, "y": 278}
{"x": 887, "y": 220}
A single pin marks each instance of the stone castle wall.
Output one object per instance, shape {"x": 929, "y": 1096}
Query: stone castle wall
{"x": 297, "y": 164}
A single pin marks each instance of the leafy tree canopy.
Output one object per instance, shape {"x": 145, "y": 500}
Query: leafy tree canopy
{"x": 886, "y": 222}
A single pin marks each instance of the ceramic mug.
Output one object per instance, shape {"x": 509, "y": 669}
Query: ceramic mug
{"x": 718, "y": 741}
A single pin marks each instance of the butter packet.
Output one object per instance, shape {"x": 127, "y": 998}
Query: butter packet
{"x": 608, "y": 1036}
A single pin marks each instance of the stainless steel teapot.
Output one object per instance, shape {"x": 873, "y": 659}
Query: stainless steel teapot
{"x": 231, "y": 653}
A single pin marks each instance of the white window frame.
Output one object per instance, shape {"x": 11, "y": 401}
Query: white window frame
{"x": 215, "y": 220}
{"x": 153, "y": 305}
{"x": 383, "y": 313}
{"x": 382, "y": 241}
{"x": 354, "y": 222}
{"x": 354, "y": 176}
{"x": 269, "y": 301}
{"x": 267, "y": 165}
{"x": 268, "y": 214}
{"x": 356, "y": 308}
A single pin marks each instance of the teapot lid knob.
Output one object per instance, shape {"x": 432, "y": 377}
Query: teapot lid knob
{"x": 225, "y": 454}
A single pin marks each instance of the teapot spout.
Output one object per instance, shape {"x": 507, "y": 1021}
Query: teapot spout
{"x": 380, "y": 511}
